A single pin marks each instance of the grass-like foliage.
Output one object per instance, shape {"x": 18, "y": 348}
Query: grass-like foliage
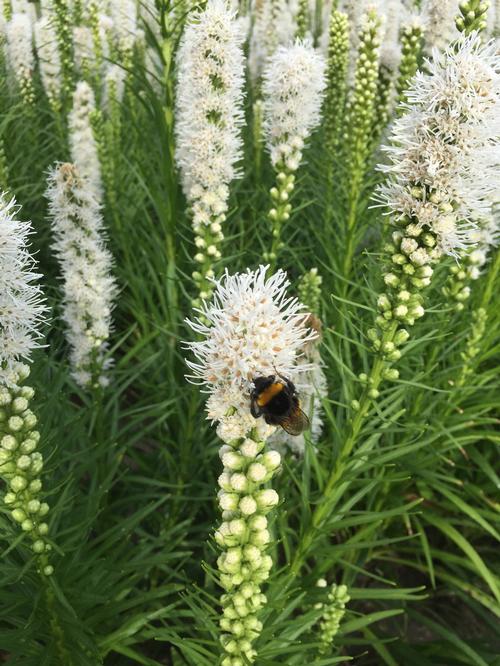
{"x": 397, "y": 499}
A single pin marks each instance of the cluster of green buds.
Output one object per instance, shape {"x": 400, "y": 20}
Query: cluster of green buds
{"x": 411, "y": 53}
{"x": 26, "y": 87}
{"x": 473, "y": 345}
{"x": 7, "y": 9}
{"x": 207, "y": 240}
{"x": 333, "y": 610}
{"x": 281, "y": 207}
{"x": 302, "y": 19}
{"x": 458, "y": 284}
{"x": 244, "y": 537}
{"x": 63, "y": 27}
{"x": 336, "y": 75}
{"x": 472, "y": 16}
{"x": 309, "y": 290}
{"x": 21, "y": 465}
{"x": 362, "y": 102}
{"x": 412, "y": 252}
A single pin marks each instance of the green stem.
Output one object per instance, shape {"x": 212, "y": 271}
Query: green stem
{"x": 324, "y": 508}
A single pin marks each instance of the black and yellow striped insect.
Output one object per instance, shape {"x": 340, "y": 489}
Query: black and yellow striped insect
{"x": 276, "y": 399}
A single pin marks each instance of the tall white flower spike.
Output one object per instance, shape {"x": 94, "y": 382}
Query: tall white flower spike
{"x": 439, "y": 19}
{"x": 21, "y": 58}
{"x": 49, "y": 60}
{"x": 252, "y": 328}
{"x": 209, "y": 116}
{"x": 293, "y": 86}
{"x": 88, "y": 285}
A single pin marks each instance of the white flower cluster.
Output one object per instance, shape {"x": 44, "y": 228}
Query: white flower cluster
{"x": 89, "y": 288}
{"x": 22, "y": 308}
{"x": 445, "y": 151}
{"x": 293, "y": 85}
{"x": 273, "y": 25}
{"x": 49, "y": 59}
{"x": 83, "y": 145}
{"x": 20, "y": 56}
{"x": 251, "y": 329}
{"x": 83, "y": 47}
{"x": 210, "y": 65}
{"x": 123, "y": 14}
{"x": 439, "y": 19}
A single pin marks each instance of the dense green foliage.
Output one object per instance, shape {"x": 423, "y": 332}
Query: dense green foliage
{"x": 411, "y": 522}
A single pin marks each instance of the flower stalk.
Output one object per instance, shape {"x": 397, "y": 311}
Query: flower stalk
{"x": 89, "y": 287}
{"x": 21, "y": 466}
{"x": 231, "y": 353}
{"x": 209, "y": 115}
{"x": 293, "y": 85}
{"x": 332, "y": 615}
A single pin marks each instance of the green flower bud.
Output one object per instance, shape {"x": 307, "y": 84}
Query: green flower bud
{"x": 18, "y": 483}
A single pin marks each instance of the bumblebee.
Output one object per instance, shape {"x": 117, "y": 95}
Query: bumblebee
{"x": 275, "y": 398}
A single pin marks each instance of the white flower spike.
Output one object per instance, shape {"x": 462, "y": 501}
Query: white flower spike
{"x": 293, "y": 85}
{"x": 22, "y": 308}
{"x": 445, "y": 150}
{"x": 209, "y": 116}
{"x": 89, "y": 287}
{"x": 19, "y": 33}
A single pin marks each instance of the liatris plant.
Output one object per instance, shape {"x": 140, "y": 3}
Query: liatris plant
{"x": 248, "y": 310}
{"x": 451, "y": 126}
{"x": 22, "y": 312}
{"x": 293, "y": 85}
{"x": 49, "y": 61}
{"x": 88, "y": 285}
{"x": 19, "y": 33}
{"x": 209, "y": 117}
{"x": 360, "y": 118}
{"x": 472, "y": 16}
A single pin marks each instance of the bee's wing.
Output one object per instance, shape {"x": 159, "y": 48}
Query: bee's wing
{"x": 296, "y": 422}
